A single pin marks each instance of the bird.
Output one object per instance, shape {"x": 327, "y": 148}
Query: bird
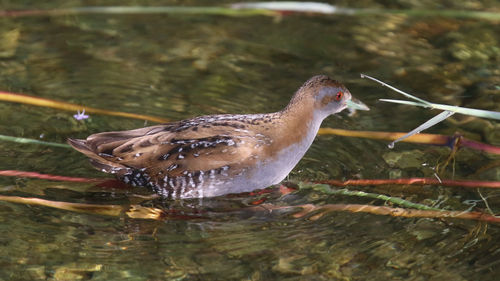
{"x": 215, "y": 155}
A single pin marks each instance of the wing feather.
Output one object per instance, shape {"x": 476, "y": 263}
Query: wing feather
{"x": 170, "y": 149}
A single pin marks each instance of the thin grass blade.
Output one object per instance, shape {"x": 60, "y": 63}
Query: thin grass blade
{"x": 396, "y": 89}
{"x": 423, "y": 103}
{"x": 431, "y": 122}
{"x": 469, "y": 111}
{"x": 407, "y": 102}
{"x": 457, "y": 109}
{"x": 32, "y": 141}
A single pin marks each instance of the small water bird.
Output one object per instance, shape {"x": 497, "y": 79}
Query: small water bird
{"x": 215, "y": 155}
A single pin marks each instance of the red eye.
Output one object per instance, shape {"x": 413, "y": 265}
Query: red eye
{"x": 338, "y": 96}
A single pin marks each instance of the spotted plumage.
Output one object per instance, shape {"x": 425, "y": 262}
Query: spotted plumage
{"x": 217, "y": 154}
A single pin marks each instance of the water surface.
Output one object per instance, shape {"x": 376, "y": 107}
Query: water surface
{"x": 180, "y": 66}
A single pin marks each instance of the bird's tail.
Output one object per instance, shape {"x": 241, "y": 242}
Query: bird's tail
{"x": 97, "y": 160}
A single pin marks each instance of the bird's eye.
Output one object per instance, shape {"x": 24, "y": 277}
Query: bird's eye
{"x": 339, "y": 95}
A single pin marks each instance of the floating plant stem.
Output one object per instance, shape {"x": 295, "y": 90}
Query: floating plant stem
{"x": 141, "y": 212}
{"x": 109, "y": 210}
{"x": 133, "y": 211}
{"x": 26, "y": 99}
{"x": 32, "y": 141}
{"x": 416, "y": 181}
{"x": 383, "y": 210}
{"x": 273, "y": 8}
{"x": 24, "y": 174}
{"x": 293, "y": 6}
{"x": 124, "y": 10}
{"x": 433, "y": 139}
{"x": 433, "y": 13}
{"x": 395, "y": 200}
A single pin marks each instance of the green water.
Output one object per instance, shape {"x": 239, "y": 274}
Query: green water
{"x": 180, "y": 66}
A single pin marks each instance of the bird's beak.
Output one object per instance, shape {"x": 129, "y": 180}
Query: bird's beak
{"x": 356, "y": 105}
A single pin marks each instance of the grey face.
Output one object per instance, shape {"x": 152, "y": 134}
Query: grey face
{"x": 331, "y": 100}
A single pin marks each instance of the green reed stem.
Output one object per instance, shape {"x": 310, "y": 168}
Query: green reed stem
{"x": 395, "y": 200}
{"x": 32, "y": 141}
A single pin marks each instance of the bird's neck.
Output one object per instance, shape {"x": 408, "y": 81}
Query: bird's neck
{"x": 298, "y": 123}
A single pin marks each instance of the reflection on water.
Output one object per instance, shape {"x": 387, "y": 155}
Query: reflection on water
{"x": 182, "y": 66}
{"x": 261, "y": 246}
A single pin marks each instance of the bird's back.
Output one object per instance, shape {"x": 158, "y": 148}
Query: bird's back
{"x": 181, "y": 157}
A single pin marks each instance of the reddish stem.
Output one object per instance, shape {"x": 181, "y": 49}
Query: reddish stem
{"x": 409, "y": 181}
{"x": 23, "y": 174}
{"x": 479, "y": 146}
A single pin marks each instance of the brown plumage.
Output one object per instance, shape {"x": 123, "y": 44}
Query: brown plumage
{"x": 217, "y": 154}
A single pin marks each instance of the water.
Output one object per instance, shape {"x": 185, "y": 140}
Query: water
{"x": 179, "y": 66}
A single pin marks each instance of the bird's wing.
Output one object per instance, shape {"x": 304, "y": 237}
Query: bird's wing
{"x": 173, "y": 148}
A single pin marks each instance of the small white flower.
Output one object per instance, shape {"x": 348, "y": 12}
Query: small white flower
{"x": 80, "y": 116}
